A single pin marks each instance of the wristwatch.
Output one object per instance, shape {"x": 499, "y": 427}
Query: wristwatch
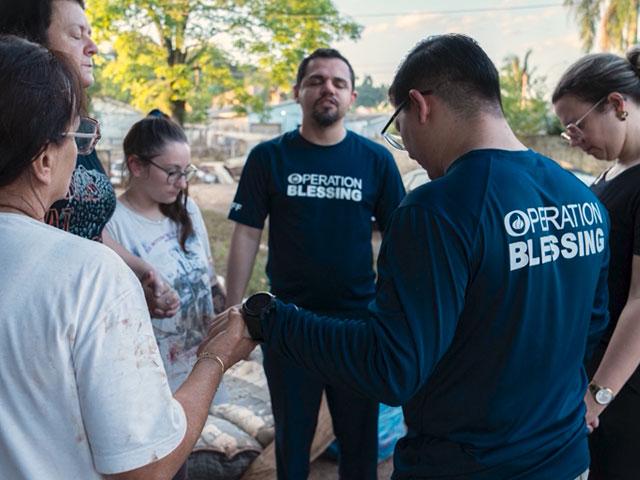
{"x": 602, "y": 395}
{"x": 253, "y": 310}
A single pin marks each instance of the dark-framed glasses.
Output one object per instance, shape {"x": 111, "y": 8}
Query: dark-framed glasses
{"x": 390, "y": 131}
{"x": 174, "y": 174}
{"x": 573, "y": 132}
{"x": 86, "y": 136}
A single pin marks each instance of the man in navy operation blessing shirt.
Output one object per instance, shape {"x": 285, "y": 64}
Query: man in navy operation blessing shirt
{"x": 491, "y": 290}
{"x": 320, "y": 186}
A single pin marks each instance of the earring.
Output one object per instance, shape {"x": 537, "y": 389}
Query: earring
{"x": 622, "y": 115}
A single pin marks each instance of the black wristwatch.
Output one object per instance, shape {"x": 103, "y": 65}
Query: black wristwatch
{"x": 253, "y": 309}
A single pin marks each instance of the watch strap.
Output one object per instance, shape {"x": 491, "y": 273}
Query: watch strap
{"x": 254, "y": 326}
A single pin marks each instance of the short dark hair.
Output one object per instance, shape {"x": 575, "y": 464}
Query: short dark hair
{"x": 323, "y": 53}
{"x": 456, "y": 68}
{"x": 28, "y": 18}
{"x": 146, "y": 139}
{"x": 597, "y": 75}
{"x": 40, "y": 95}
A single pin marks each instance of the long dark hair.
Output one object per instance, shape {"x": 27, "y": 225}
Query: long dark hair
{"x": 147, "y": 139}
{"x": 40, "y": 95}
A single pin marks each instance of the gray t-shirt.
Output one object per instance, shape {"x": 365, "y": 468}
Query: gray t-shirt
{"x": 190, "y": 273}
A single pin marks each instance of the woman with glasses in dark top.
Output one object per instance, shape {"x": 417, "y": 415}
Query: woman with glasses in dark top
{"x": 598, "y": 101}
{"x": 61, "y": 25}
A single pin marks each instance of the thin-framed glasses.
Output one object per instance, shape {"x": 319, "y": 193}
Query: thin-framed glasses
{"x": 573, "y": 132}
{"x": 174, "y": 175}
{"x": 390, "y": 131}
{"x": 86, "y": 136}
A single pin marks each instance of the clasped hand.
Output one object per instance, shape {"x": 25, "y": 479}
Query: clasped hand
{"x": 228, "y": 337}
{"x": 162, "y": 300}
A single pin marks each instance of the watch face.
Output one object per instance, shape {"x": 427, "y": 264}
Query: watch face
{"x": 604, "y": 396}
{"x": 256, "y": 302}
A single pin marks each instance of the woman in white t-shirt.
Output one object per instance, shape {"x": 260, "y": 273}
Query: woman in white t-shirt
{"x": 80, "y": 363}
{"x": 157, "y": 221}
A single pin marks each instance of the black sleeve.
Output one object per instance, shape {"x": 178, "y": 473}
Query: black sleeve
{"x": 412, "y": 322}
{"x": 250, "y": 205}
{"x": 636, "y": 224}
{"x": 391, "y": 192}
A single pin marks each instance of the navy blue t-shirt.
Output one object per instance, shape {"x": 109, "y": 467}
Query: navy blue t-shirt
{"x": 320, "y": 201}
{"x": 90, "y": 202}
{"x": 491, "y": 281}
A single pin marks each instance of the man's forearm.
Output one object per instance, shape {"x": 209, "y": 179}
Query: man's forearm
{"x": 245, "y": 242}
{"x": 353, "y": 354}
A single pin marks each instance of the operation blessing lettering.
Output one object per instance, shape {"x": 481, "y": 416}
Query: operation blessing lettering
{"x": 589, "y": 238}
{"x": 324, "y": 186}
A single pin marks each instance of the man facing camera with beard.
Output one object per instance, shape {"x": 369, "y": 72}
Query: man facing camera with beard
{"x": 320, "y": 185}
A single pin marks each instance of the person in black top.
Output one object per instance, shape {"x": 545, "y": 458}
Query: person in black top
{"x": 320, "y": 185}
{"x": 598, "y": 100}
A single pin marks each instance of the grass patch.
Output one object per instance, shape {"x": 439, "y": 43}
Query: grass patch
{"x": 220, "y": 228}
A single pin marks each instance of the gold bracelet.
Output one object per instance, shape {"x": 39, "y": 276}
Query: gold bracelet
{"x": 211, "y": 356}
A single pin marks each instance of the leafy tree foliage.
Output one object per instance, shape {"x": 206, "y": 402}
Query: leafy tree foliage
{"x": 523, "y": 100}
{"x": 180, "y": 54}
{"x": 369, "y": 95}
{"x": 616, "y": 21}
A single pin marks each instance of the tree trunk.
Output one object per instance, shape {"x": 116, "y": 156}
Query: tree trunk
{"x": 632, "y": 37}
{"x": 178, "y": 110}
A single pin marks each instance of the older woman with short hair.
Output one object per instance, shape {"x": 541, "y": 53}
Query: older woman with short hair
{"x": 84, "y": 392}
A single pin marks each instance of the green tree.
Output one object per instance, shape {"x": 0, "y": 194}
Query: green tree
{"x": 523, "y": 96}
{"x": 615, "y": 20}
{"x": 369, "y": 95}
{"x": 179, "y": 54}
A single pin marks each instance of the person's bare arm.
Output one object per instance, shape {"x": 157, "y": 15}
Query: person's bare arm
{"x": 162, "y": 300}
{"x": 623, "y": 352}
{"x": 245, "y": 242}
{"x": 195, "y": 396}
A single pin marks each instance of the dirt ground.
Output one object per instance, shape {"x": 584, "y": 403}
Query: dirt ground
{"x": 218, "y": 198}
{"x": 213, "y": 197}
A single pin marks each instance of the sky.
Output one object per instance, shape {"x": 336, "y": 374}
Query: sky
{"x": 502, "y": 27}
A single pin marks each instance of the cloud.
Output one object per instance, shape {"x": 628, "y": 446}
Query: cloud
{"x": 377, "y": 28}
{"x": 415, "y": 20}
{"x": 568, "y": 40}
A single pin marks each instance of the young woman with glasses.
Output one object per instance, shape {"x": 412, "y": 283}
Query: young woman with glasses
{"x": 156, "y": 220}
{"x": 598, "y": 101}
{"x": 62, "y": 25}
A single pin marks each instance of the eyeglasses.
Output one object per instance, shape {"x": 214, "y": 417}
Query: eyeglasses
{"x": 86, "y": 136}
{"x": 573, "y": 132}
{"x": 173, "y": 176}
{"x": 390, "y": 132}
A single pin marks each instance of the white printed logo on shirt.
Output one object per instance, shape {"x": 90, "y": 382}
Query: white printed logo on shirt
{"x": 314, "y": 185}
{"x": 546, "y": 225}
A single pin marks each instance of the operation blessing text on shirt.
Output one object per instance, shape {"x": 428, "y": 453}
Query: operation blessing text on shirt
{"x": 315, "y": 185}
{"x": 546, "y": 225}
